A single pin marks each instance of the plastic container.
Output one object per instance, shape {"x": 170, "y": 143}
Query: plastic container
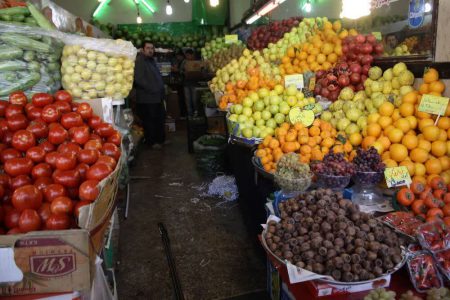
{"x": 443, "y": 259}
{"x": 292, "y": 186}
{"x": 423, "y": 271}
{"x": 434, "y": 236}
{"x": 332, "y": 182}
{"x": 366, "y": 191}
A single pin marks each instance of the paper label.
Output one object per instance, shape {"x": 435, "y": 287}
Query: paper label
{"x": 231, "y": 38}
{"x": 377, "y": 35}
{"x": 306, "y": 117}
{"x": 294, "y": 79}
{"x": 433, "y": 104}
{"x": 312, "y": 83}
{"x": 397, "y": 176}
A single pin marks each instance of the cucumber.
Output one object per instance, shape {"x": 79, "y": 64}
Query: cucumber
{"x": 34, "y": 66}
{"x": 10, "y": 76}
{"x": 52, "y": 58}
{"x": 18, "y": 18}
{"x": 12, "y": 65}
{"x": 25, "y": 42}
{"x": 22, "y": 84}
{"x": 10, "y": 52}
{"x": 39, "y": 17}
{"x": 29, "y": 56}
{"x": 53, "y": 66}
{"x": 31, "y": 21}
{"x": 17, "y": 10}
{"x": 6, "y": 17}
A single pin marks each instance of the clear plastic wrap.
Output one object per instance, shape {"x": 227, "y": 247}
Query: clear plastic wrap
{"x": 423, "y": 271}
{"x": 434, "y": 236}
{"x": 29, "y": 59}
{"x": 95, "y": 68}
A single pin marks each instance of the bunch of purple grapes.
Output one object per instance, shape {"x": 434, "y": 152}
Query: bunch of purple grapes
{"x": 368, "y": 160}
{"x": 334, "y": 164}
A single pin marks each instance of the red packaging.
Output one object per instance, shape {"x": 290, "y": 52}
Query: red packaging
{"x": 443, "y": 259}
{"x": 423, "y": 272}
{"x": 434, "y": 236}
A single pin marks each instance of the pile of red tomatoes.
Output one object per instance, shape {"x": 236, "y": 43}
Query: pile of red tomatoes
{"x": 53, "y": 154}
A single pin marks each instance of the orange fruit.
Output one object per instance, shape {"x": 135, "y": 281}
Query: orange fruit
{"x": 437, "y": 87}
{"x": 403, "y": 124}
{"x": 384, "y": 140}
{"x": 438, "y": 148}
{"x": 373, "y": 118}
{"x": 373, "y": 130}
{"x": 396, "y": 115}
{"x": 433, "y": 166}
{"x": 430, "y": 75}
{"x": 390, "y": 163}
{"x": 406, "y": 109}
{"x": 410, "y": 97}
{"x": 419, "y": 169}
{"x": 424, "y": 88}
{"x": 424, "y": 144}
{"x": 410, "y": 141}
{"x": 431, "y": 133}
{"x": 378, "y": 146}
{"x": 368, "y": 141}
{"x": 418, "y": 155}
{"x": 443, "y": 123}
{"x": 425, "y": 122}
{"x": 420, "y": 179}
{"x": 395, "y": 135}
{"x": 412, "y": 121}
{"x": 355, "y": 139}
{"x": 384, "y": 121}
{"x": 445, "y": 162}
{"x": 442, "y": 135}
{"x": 398, "y": 152}
{"x": 386, "y": 155}
{"x": 409, "y": 165}
{"x": 386, "y": 109}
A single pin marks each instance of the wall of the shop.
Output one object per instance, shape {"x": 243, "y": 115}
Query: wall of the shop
{"x": 124, "y": 11}
{"x": 443, "y": 34}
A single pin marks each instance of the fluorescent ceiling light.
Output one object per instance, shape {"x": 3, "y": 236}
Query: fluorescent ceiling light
{"x": 139, "y": 19}
{"x": 169, "y": 9}
{"x": 307, "y": 7}
{"x": 148, "y": 6}
{"x": 186, "y": 1}
{"x": 99, "y": 7}
{"x": 355, "y": 9}
{"x": 252, "y": 19}
{"x": 267, "y": 8}
{"x": 213, "y": 3}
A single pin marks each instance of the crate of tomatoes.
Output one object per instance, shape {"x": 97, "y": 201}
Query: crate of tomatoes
{"x": 59, "y": 170}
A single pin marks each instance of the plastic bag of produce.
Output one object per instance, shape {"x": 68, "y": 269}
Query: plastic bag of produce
{"x": 29, "y": 59}
{"x": 95, "y": 68}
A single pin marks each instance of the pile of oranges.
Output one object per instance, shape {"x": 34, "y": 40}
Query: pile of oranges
{"x": 407, "y": 137}
{"x": 321, "y": 52}
{"x": 311, "y": 143}
{"x": 431, "y": 83}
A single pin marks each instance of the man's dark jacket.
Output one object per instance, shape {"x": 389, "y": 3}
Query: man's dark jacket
{"x": 148, "y": 81}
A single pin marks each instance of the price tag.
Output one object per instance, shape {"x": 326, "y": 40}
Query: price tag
{"x": 397, "y": 176}
{"x": 231, "y": 38}
{"x": 377, "y": 35}
{"x": 294, "y": 79}
{"x": 433, "y": 104}
{"x": 312, "y": 83}
{"x": 306, "y": 117}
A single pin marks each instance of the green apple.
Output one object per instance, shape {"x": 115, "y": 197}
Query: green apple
{"x": 326, "y": 116}
{"x": 274, "y": 109}
{"x": 263, "y": 93}
{"x": 266, "y": 101}
{"x": 260, "y": 123}
{"x": 352, "y": 128}
{"x": 275, "y": 100}
{"x": 247, "y": 102}
{"x": 247, "y": 132}
{"x": 270, "y": 130}
{"x": 242, "y": 119}
{"x": 342, "y": 124}
{"x": 291, "y": 100}
{"x": 284, "y": 108}
{"x": 250, "y": 122}
{"x": 300, "y": 95}
{"x": 266, "y": 115}
{"x": 362, "y": 122}
{"x": 264, "y": 132}
{"x": 254, "y": 96}
{"x": 291, "y": 90}
{"x": 279, "y": 118}
{"x": 256, "y": 115}
{"x": 333, "y": 122}
{"x": 271, "y": 123}
{"x": 247, "y": 111}
{"x": 256, "y": 132}
{"x": 233, "y": 117}
{"x": 258, "y": 106}
{"x": 237, "y": 109}
{"x": 273, "y": 93}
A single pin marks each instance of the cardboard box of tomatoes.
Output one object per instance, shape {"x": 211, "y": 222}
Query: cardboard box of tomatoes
{"x": 58, "y": 261}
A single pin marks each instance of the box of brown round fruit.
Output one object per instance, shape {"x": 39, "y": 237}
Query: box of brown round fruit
{"x": 327, "y": 238}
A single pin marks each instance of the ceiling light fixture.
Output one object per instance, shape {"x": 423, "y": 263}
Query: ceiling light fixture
{"x": 213, "y": 3}
{"x": 99, "y": 7}
{"x": 427, "y": 7}
{"x": 168, "y": 8}
{"x": 139, "y": 19}
{"x": 186, "y": 1}
{"x": 265, "y": 9}
{"x": 147, "y": 6}
{"x": 307, "y": 7}
{"x": 355, "y": 9}
{"x": 252, "y": 19}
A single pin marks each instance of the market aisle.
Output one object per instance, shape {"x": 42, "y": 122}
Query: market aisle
{"x": 213, "y": 252}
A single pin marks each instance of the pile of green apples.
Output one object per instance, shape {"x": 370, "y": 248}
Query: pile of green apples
{"x": 264, "y": 110}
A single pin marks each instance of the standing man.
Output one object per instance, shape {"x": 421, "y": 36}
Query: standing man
{"x": 189, "y": 85}
{"x": 149, "y": 86}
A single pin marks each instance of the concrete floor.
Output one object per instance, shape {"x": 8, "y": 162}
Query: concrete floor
{"x": 214, "y": 254}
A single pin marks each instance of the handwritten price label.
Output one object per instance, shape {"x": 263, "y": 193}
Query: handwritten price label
{"x": 312, "y": 83}
{"x": 377, "y": 35}
{"x": 231, "y": 38}
{"x": 294, "y": 79}
{"x": 397, "y": 176}
{"x": 306, "y": 117}
{"x": 433, "y": 104}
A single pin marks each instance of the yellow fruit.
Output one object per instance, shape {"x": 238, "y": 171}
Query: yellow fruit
{"x": 396, "y": 115}
{"x": 384, "y": 140}
{"x": 321, "y": 58}
{"x": 445, "y": 162}
{"x": 373, "y": 130}
{"x": 384, "y": 121}
{"x": 419, "y": 169}
{"x": 431, "y": 133}
{"x": 406, "y": 109}
{"x": 373, "y": 118}
{"x": 425, "y": 122}
{"x": 442, "y": 135}
{"x": 390, "y": 163}
{"x": 398, "y": 152}
{"x": 355, "y": 139}
{"x": 424, "y": 144}
{"x": 403, "y": 124}
{"x": 410, "y": 97}
{"x": 443, "y": 123}
{"x": 337, "y": 26}
{"x": 418, "y": 155}
{"x": 377, "y": 145}
{"x": 395, "y": 135}
{"x": 386, "y": 109}
{"x": 409, "y": 165}
{"x": 386, "y": 155}
{"x": 410, "y": 141}
{"x": 438, "y": 148}
{"x": 412, "y": 121}
{"x": 332, "y": 58}
{"x": 433, "y": 166}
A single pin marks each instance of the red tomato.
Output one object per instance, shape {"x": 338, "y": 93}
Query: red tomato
{"x": 89, "y": 190}
{"x": 6, "y": 200}
{"x": 96, "y": 137}
{"x": 41, "y": 99}
{"x": 47, "y": 146}
{"x": 63, "y": 96}
{"x": 61, "y": 205}
{"x": 112, "y": 150}
{"x": 18, "y": 166}
{"x": 44, "y": 212}
{"x": 34, "y": 113}
{"x": 88, "y": 156}
{"x": 9, "y": 153}
{"x": 70, "y": 147}
{"x": 18, "y": 98}
{"x": 79, "y": 135}
{"x": 13, "y": 110}
{"x": 42, "y": 183}
{"x": 23, "y": 140}
{"x": 53, "y": 191}
{"x": 63, "y": 107}
{"x": 36, "y": 154}
{"x": 14, "y": 231}
{"x": 3, "y": 106}
{"x": 50, "y": 158}
{"x": 98, "y": 171}
{"x": 12, "y": 218}
{"x": 93, "y": 145}
{"x": 115, "y": 138}
{"x": 29, "y": 221}
{"x": 17, "y": 122}
{"x": 42, "y": 170}
{"x": 107, "y": 160}
{"x": 104, "y": 130}
{"x": 85, "y": 110}
{"x": 58, "y": 222}
{"x": 7, "y": 138}
{"x": 27, "y": 196}
{"x": 71, "y": 119}
{"x": 74, "y": 106}
{"x": 19, "y": 181}
{"x": 69, "y": 178}
{"x": 82, "y": 169}
{"x": 50, "y": 113}
{"x": 66, "y": 161}
{"x": 95, "y": 121}
{"x": 38, "y": 129}
{"x": 57, "y": 134}
{"x": 79, "y": 205}
{"x": 5, "y": 180}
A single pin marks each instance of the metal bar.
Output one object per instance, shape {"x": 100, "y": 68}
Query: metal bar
{"x": 172, "y": 266}
{"x": 128, "y": 201}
